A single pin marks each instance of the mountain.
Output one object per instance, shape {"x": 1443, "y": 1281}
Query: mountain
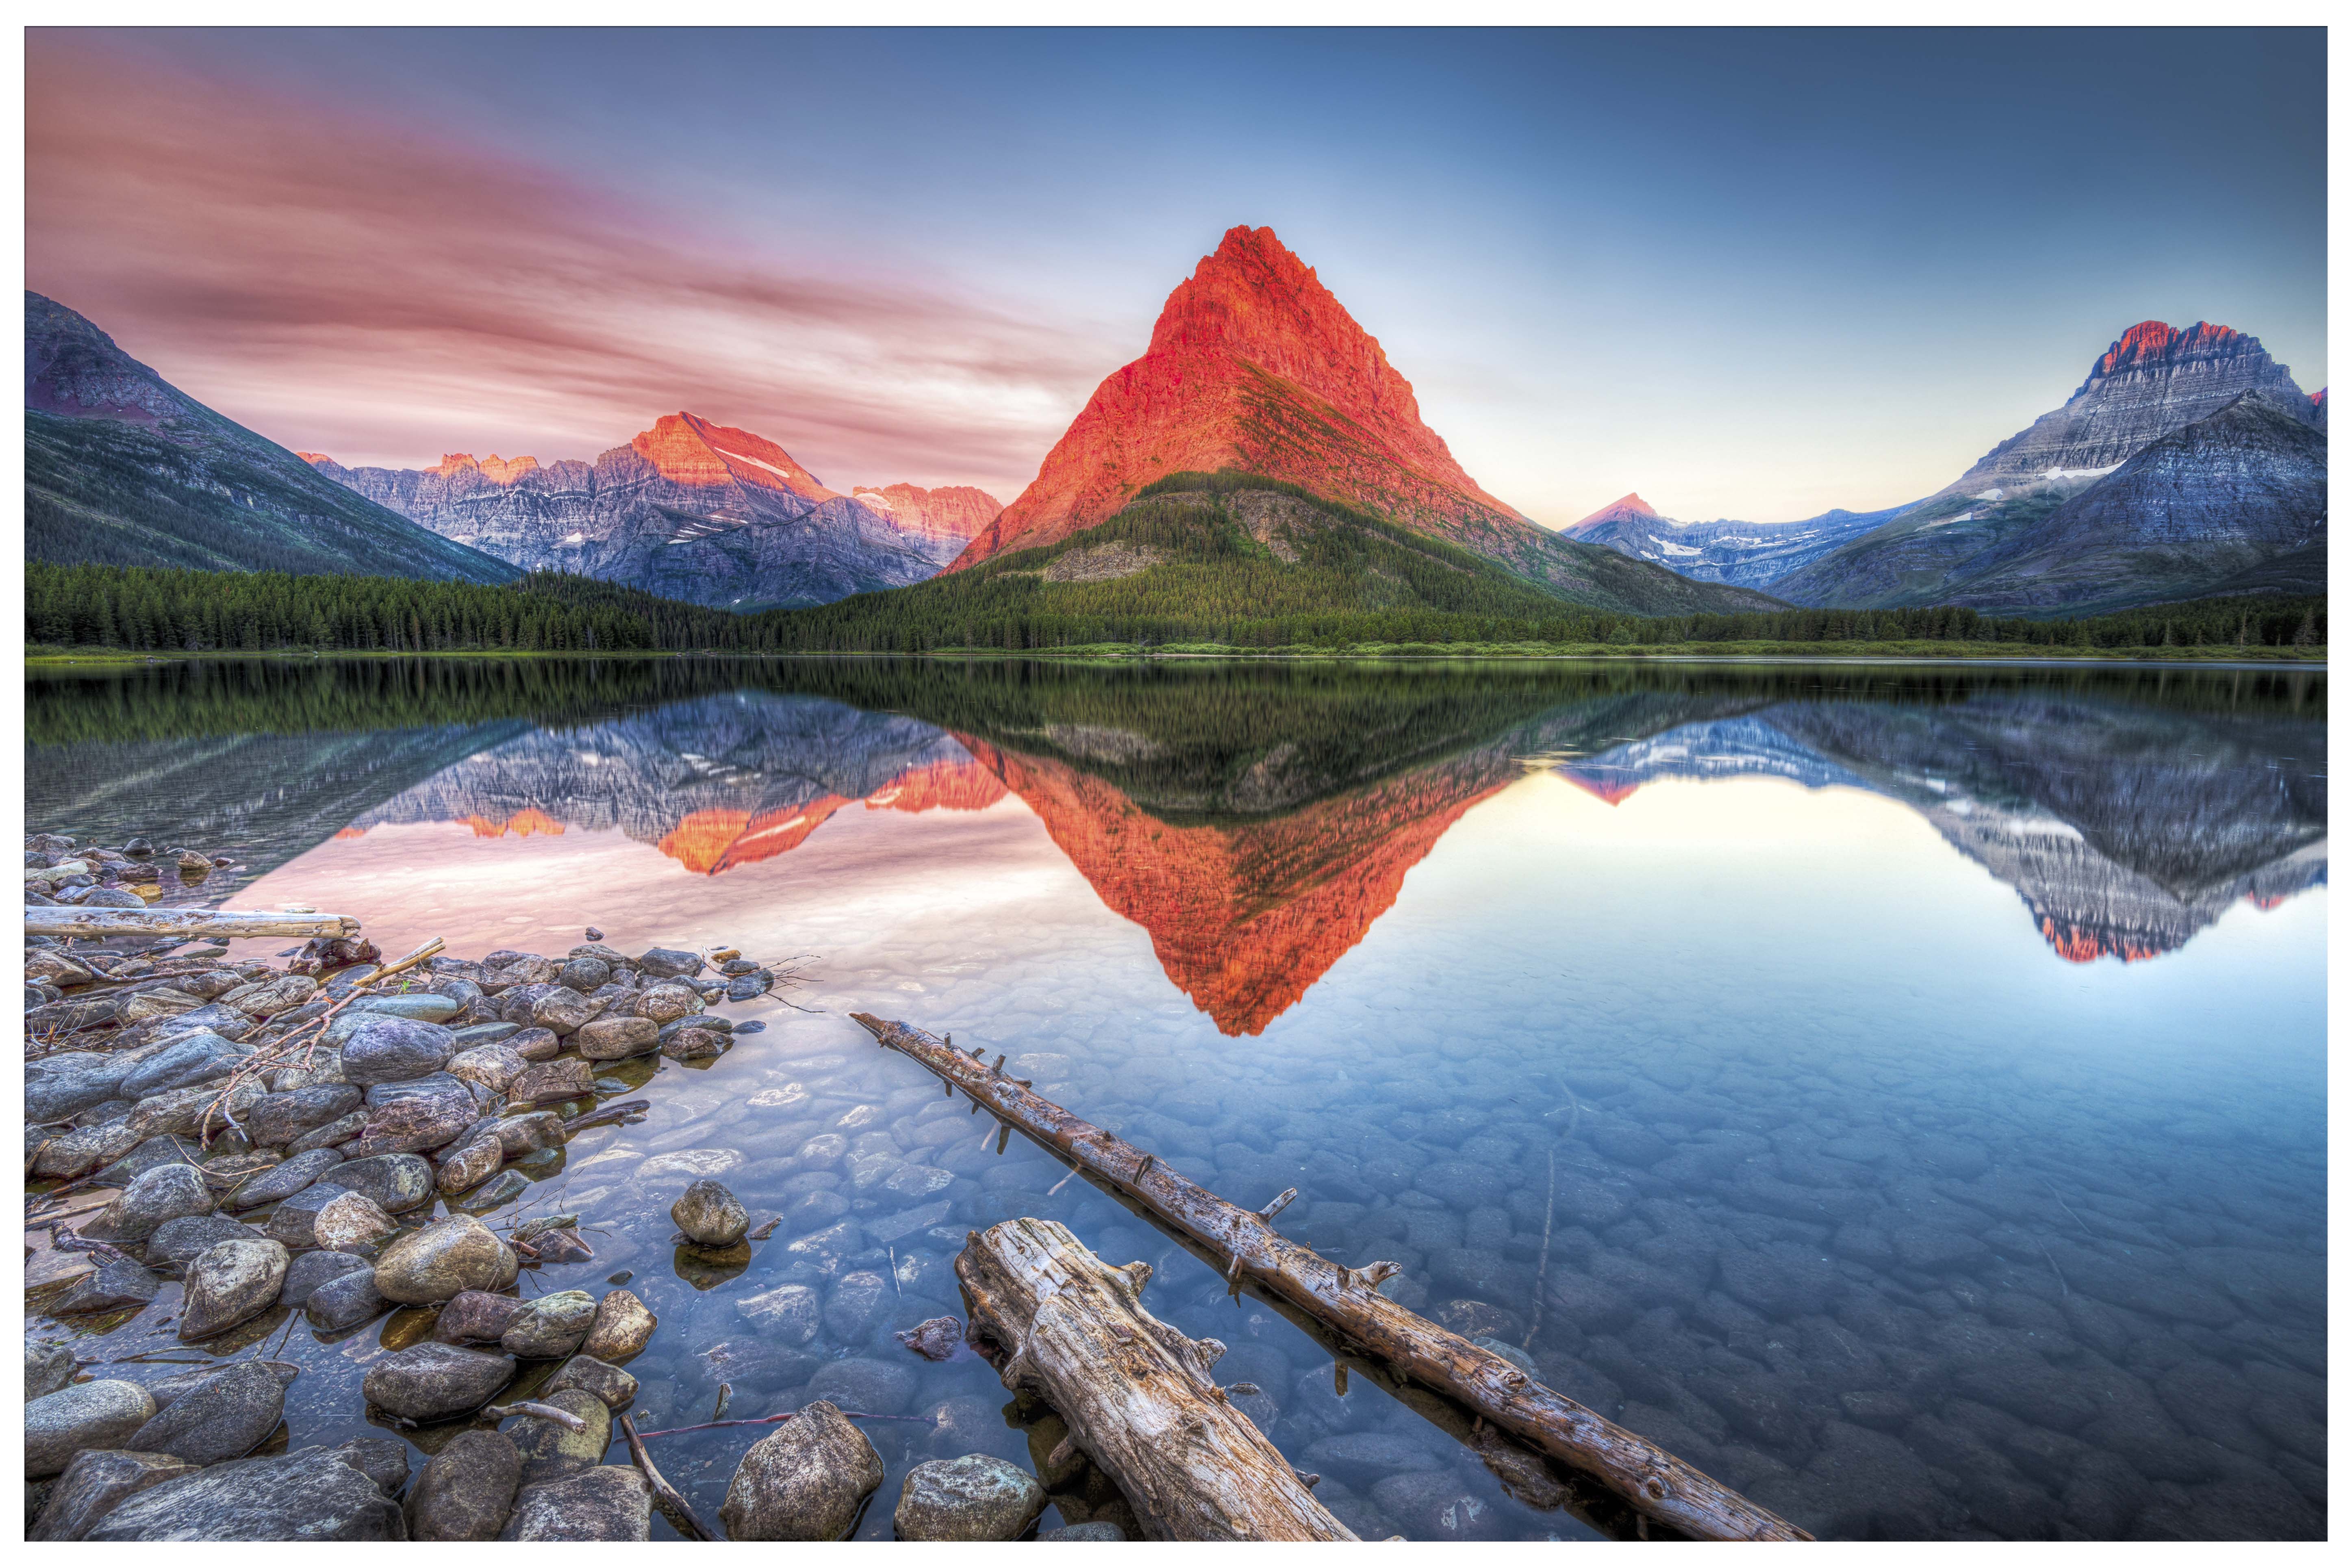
{"x": 1255, "y": 366}
{"x": 2243, "y": 490}
{"x": 124, "y": 468}
{"x": 1240, "y": 558}
{"x": 946, "y": 517}
{"x": 689, "y": 510}
{"x": 1745, "y": 554}
{"x": 2153, "y": 381}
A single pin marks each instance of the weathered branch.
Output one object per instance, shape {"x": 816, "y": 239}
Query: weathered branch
{"x": 1647, "y": 1477}
{"x": 69, "y": 920}
{"x": 1137, "y": 1394}
{"x": 673, "y": 1504}
{"x": 561, "y": 1417}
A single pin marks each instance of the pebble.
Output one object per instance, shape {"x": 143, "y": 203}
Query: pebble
{"x": 975, "y": 1498}
{"x": 805, "y": 1481}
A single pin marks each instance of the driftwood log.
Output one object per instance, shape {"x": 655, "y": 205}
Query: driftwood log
{"x": 1653, "y": 1482}
{"x": 67, "y": 921}
{"x": 1138, "y": 1395}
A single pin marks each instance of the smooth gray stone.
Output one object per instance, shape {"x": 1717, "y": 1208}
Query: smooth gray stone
{"x": 393, "y": 1183}
{"x": 307, "y": 1273}
{"x": 294, "y": 1221}
{"x": 191, "y": 1059}
{"x": 432, "y": 1382}
{"x": 224, "y": 1418}
{"x": 48, "y": 1368}
{"x": 177, "y": 1242}
{"x": 164, "y": 1192}
{"x": 383, "y": 1460}
{"x": 423, "y": 1005}
{"x": 804, "y": 1481}
{"x": 466, "y": 1491}
{"x": 345, "y": 1301}
{"x": 95, "y": 1414}
{"x": 277, "y": 1119}
{"x": 94, "y": 1484}
{"x": 282, "y": 1179}
{"x": 116, "y": 1283}
{"x": 386, "y": 1049}
{"x": 230, "y": 1282}
{"x": 976, "y": 1498}
{"x": 312, "y": 1494}
{"x": 611, "y": 1502}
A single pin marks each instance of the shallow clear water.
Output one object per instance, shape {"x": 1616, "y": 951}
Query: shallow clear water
{"x": 1899, "y": 1091}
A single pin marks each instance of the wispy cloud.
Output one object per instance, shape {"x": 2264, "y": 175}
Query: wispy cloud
{"x": 385, "y": 292}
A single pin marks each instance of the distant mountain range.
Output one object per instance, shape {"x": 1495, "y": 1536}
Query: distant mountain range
{"x": 122, "y": 467}
{"x": 689, "y": 510}
{"x": 2188, "y": 464}
{"x": 1255, "y": 366}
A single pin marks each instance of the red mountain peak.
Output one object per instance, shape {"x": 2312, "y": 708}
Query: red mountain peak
{"x": 687, "y": 450}
{"x": 1627, "y": 505}
{"x": 1251, "y": 364}
{"x": 2151, "y": 342}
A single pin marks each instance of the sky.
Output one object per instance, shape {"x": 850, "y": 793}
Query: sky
{"x": 1746, "y": 274}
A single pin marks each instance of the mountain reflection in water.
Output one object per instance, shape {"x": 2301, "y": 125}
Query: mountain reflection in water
{"x": 1257, "y": 825}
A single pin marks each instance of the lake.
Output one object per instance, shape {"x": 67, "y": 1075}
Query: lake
{"x": 1898, "y": 1091}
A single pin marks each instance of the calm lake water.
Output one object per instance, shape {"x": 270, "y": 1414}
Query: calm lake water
{"x": 1898, "y": 1091}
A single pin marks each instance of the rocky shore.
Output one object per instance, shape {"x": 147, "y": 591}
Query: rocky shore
{"x": 332, "y": 1143}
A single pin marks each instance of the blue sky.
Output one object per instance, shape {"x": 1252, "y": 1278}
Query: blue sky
{"x": 1754, "y": 274}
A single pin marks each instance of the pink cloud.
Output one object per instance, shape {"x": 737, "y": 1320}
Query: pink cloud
{"x": 384, "y": 293}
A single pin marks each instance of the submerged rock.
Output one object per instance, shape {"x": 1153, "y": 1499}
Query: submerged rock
{"x": 805, "y": 1481}
{"x": 975, "y": 1498}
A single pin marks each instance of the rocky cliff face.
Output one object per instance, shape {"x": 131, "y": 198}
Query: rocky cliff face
{"x": 946, "y": 519}
{"x": 2242, "y": 488}
{"x": 2152, "y": 382}
{"x": 1255, "y": 365}
{"x": 123, "y": 468}
{"x": 689, "y": 510}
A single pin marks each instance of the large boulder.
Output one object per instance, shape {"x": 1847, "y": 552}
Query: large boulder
{"x": 611, "y": 1502}
{"x": 976, "y": 1498}
{"x": 438, "y": 1262}
{"x": 95, "y": 1483}
{"x": 164, "y": 1192}
{"x": 466, "y": 1490}
{"x": 230, "y": 1282}
{"x": 432, "y": 1382}
{"x": 312, "y": 1494}
{"x": 226, "y": 1417}
{"x": 805, "y": 1481}
{"x": 97, "y": 1415}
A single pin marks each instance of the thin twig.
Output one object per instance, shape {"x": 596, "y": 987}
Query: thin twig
{"x": 674, "y": 1506}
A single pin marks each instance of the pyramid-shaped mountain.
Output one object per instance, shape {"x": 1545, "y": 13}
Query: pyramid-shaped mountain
{"x": 1255, "y": 366}
{"x": 688, "y": 508}
{"x": 125, "y": 468}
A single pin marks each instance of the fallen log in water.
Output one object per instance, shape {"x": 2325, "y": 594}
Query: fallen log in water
{"x": 1137, "y": 1394}
{"x": 1651, "y": 1480}
{"x": 66, "y": 921}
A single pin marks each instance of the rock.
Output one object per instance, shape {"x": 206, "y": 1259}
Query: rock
{"x": 611, "y": 1502}
{"x": 533, "y": 1045}
{"x": 622, "y": 1328}
{"x": 344, "y": 1302}
{"x": 307, "y": 1273}
{"x": 495, "y": 1067}
{"x": 282, "y": 1179}
{"x": 562, "y": 1010}
{"x": 475, "y": 1036}
{"x": 225, "y": 1417}
{"x": 115, "y": 1283}
{"x": 681, "y": 1043}
{"x": 551, "y": 1451}
{"x": 789, "y": 1314}
{"x": 667, "y": 1003}
{"x": 566, "y": 1078}
{"x": 669, "y": 962}
{"x": 885, "y": 1388}
{"x": 1094, "y": 1530}
{"x": 164, "y": 1192}
{"x": 433, "y": 1382}
{"x": 230, "y": 1282}
{"x": 933, "y": 1338}
{"x": 608, "y": 1383}
{"x": 383, "y": 1460}
{"x": 269, "y": 997}
{"x": 710, "y": 1214}
{"x": 610, "y": 1039}
{"x": 1435, "y": 1505}
{"x": 431, "y": 1114}
{"x": 527, "y": 1134}
{"x": 498, "y": 1191}
{"x": 976, "y": 1498}
{"x": 82, "y": 1151}
{"x": 805, "y": 1481}
{"x": 97, "y": 1415}
{"x": 583, "y": 973}
{"x": 277, "y": 1119}
{"x": 857, "y": 1302}
{"x": 466, "y": 1490}
{"x": 393, "y": 1183}
{"x": 551, "y": 1327}
{"x": 470, "y": 1165}
{"x": 424, "y": 1006}
{"x": 191, "y": 1059}
{"x": 333, "y": 1135}
{"x": 390, "y": 1050}
{"x": 97, "y": 1482}
{"x": 149, "y": 1005}
{"x": 438, "y": 1262}
{"x": 351, "y": 1222}
{"x": 477, "y": 1316}
{"x": 48, "y": 1368}
{"x": 312, "y": 1494}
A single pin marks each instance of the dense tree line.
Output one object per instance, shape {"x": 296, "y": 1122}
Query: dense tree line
{"x": 1227, "y": 593}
